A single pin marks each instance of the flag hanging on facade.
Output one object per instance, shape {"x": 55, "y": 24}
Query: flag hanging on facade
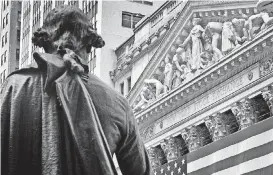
{"x": 176, "y": 167}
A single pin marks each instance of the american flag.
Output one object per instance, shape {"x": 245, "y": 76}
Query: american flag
{"x": 177, "y": 167}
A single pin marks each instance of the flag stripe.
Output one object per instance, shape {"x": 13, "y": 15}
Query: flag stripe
{"x": 251, "y": 165}
{"x": 236, "y": 160}
{"x": 230, "y": 151}
{"x": 263, "y": 171}
{"x": 232, "y": 139}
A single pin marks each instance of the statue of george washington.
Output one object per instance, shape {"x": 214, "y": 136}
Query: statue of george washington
{"x": 56, "y": 119}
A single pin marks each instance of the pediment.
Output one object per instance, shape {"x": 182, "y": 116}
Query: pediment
{"x": 224, "y": 23}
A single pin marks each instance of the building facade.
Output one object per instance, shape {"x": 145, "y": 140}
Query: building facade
{"x": 10, "y": 37}
{"x": 114, "y": 20}
{"x": 198, "y": 75}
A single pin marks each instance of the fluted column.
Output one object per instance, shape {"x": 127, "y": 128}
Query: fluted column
{"x": 217, "y": 126}
{"x": 245, "y": 113}
{"x": 157, "y": 156}
{"x": 172, "y": 148}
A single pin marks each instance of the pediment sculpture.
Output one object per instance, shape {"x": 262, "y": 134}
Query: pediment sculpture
{"x": 203, "y": 43}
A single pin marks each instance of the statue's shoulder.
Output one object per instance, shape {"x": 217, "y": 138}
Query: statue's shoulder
{"x": 103, "y": 91}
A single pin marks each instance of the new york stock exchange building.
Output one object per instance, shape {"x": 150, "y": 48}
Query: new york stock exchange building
{"x": 201, "y": 74}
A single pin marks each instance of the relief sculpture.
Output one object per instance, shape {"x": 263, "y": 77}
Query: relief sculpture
{"x": 196, "y": 43}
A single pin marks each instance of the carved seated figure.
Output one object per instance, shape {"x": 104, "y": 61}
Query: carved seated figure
{"x": 211, "y": 54}
{"x": 159, "y": 87}
{"x": 146, "y": 96}
{"x": 187, "y": 73}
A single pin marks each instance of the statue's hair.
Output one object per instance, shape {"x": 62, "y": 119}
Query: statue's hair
{"x": 63, "y": 21}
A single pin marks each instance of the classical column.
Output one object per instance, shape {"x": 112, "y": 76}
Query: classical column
{"x": 157, "y": 156}
{"x": 193, "y": 139}
{"x": 217, "y": 126}
{"x": 172, "y": 148}
{"x": 245, "y": 112}
{"x": 267, "y": 94}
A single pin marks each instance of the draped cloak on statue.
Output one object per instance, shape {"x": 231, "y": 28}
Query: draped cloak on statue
{"x": 55, "y": 122}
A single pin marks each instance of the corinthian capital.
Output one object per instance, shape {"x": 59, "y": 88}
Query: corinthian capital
{"x": 172, "y": 148}
{"x": 217, "y": 126}
{"x": 192, "y": 138}
{"x": 156, "y": 156}
{"x": 245, "y": 113}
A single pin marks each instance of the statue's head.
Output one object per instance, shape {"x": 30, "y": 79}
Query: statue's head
{"x": 67, "y": 27}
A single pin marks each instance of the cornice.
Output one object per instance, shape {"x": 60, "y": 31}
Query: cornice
{"x": 138, "y": 56}
{"x": 246, "y": 88}
{"x": 236, "y": 61}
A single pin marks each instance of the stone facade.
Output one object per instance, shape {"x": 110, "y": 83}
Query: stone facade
{"x": 210, "y": 78}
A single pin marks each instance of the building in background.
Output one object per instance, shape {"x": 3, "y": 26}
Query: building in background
{"x": 10, "y": 37}
{"x": 114, "y": 20}
{"x": 198, "y": 75}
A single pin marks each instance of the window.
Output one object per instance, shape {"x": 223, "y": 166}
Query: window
{"x": 19, "y": 16}
{"x": 4, "y": 22}
{"x": 7, "y": 19}
{"x": 2, "y": 59}
{"x": 93, "y": 60}
{"x": 129, "y": 83}
{"x": 1, "y": 78}
{"x": 3, "y": 41}
{"x": 7, "y": 3}
{"x": 6, "y": 37}
{"x": 130, "y": 20}
{"x": 17, "y": 54}
{"x": 5, "y": 57}
{"x": 18, "y": 35}
{"x": 122, "y": 88}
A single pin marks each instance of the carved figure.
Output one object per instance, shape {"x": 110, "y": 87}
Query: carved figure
{"x": 240, "y": 30}
{"x": 196, "y": 43}
{"x": 217, "y": 126}
{"x": 179, "y": 58}
{"x": 228, "y": 38}
{"x": 192, "y": 138}
{"x": 214, "y": 30}
{"x": 172, "y": 148}
{"x": 187, "y": 73}
{"x": 168, "y": 72}
{"x": 211, "y": 53}
{"x": 157, "y": 157}
{"x": 177, "y": 79}
{"x": 146, "y": 96}
{"x": 258, "y": 22}
{"x": 159, "y": 87}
